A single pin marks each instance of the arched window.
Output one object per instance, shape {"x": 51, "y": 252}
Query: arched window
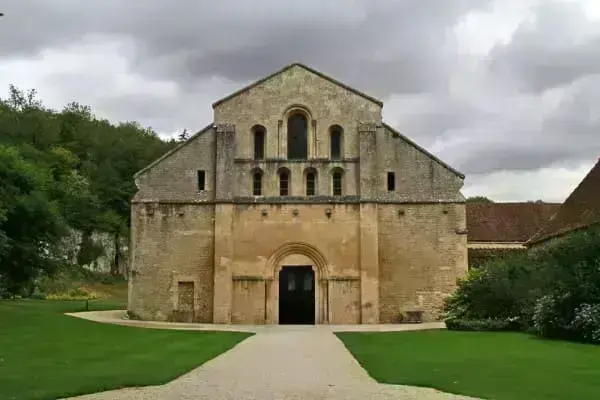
{"x": 284, "y": 182}
{"x": 257, "y": 183}
{"x": 297, "y": 137}
{"x": 337, "y": 177}
{"x": 259, "y": 134}
{"x": 311, "y": 182}
{"x": 335, "y": 142}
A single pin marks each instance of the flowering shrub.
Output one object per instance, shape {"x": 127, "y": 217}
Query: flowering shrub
{"x": 587, "y": 322}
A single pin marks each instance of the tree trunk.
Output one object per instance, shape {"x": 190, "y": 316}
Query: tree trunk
{"x": 116, "y": 264}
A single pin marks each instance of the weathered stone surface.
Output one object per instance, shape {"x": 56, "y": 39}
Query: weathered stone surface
{"x": 375, "y": 253}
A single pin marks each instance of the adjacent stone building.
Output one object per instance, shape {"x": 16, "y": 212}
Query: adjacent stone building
{"x": 297, "y": 204}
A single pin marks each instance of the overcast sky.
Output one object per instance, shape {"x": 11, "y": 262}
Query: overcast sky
{"x": 506, "y": 91}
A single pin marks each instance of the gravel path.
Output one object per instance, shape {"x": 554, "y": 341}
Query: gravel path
{"x": 292, "y": 363}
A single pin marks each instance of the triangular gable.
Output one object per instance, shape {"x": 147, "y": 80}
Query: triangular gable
{"x": 322, "y": 75}
{"x": 580, "y": 210}
{"x": 172, "y": 151}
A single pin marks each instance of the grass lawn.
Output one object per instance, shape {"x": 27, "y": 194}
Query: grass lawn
{"x": 488, "y": 365}
{"x": 47, "y": 355}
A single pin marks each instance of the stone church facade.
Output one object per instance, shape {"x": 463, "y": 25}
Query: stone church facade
{"x": 296, "y": 205}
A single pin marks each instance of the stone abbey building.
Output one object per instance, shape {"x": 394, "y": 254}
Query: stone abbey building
{"x": 297, "y": 204}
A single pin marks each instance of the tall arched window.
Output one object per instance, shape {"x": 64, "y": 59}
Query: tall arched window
{"x": 311, "y": 182}
{"x": 284, "y": 182}
{"x": 259, "y": 134}
{"x": 297, "y": 137}
{"x": 335, "y": 142}
{"x": 257, "y": 182}
{"x": 337, "y": 177}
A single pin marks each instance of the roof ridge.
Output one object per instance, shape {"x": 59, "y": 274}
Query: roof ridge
{"x": 306, "y": 67}
{"x": 173, "y": 150}
{"x": 546, "y": 232}
{"x": 424, "y": 151}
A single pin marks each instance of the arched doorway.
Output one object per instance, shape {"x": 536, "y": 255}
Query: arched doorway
{"x": 298, "y": 291}
{"x": 297, "y": 295}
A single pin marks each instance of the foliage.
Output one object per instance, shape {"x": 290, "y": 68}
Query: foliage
{"x": 30, "y": 223}
{"x": 478, "y": 199}
{"x": 499, "y": 290}
{"x": 58, "y": 169}
{"x": 489, "y": 324}
{"x": 587, "y": 322}
{"x": 479, "y": 256}
{"x": 47, "y": 355}
{"x": 488, "y": 365}
{"x": 553, "y": 290}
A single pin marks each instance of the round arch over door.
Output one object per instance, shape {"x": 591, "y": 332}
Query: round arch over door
{"x": 298, "y": 254}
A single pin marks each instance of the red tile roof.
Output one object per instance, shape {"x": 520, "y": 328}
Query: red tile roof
{"x": 506, "y": 222}
{"x": 580, "y": 210}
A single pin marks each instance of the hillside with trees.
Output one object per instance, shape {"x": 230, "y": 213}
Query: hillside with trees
{"x": 64, "y": 176}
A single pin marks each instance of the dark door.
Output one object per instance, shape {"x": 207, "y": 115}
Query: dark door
{"x": 297, "y": 295}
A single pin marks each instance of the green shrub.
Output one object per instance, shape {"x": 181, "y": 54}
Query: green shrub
{"x": 586, "y": 324}
{"x": 500, "y": 289}
{"x": 483, "y": 324}
{"x": 549, "y": 318}
{"x": 552, "y": 291}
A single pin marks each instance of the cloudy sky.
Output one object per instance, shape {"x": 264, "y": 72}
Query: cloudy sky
{"x": 507, "y": 91}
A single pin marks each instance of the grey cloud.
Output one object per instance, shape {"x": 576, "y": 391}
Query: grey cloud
{"x": 390, "y": 49}
{"x": 567, "y": 133}
{"x": 379, "y": 45}
{"x": 558, "y": 47}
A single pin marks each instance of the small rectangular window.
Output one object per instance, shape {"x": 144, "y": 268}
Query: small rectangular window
{"x": 201, "y": 180}
{"x": 391, "y": 181}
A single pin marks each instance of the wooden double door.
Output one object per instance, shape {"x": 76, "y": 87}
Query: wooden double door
{"x": 297, "y": 295}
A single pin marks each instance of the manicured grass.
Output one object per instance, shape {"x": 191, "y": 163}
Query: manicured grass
{"x": 488, "y": 365}
{"x": 47, "y": 355}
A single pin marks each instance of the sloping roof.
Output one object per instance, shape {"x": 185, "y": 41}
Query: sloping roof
{"x": 580, "y": 210}
{"x": 506, "y": 222}
{"x": 173, "y": 150}
{"x": 422, "y": 150}
{"x": 322, "y": 75}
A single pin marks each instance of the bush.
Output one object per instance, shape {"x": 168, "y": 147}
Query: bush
{"x": 499, "y": 290}
{"x": 552, "y": 290}
{"x": 483, "y": 324}
{"x": 586, "y": 324}
{"x": 549, "y": 317}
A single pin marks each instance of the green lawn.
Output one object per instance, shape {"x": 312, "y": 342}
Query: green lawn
{"x": 488, "y": 365}
{"x": 47, "y": 355}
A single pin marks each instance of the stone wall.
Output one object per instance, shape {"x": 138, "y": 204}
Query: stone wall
{"x": 175, "y": 177}
{"x": 258, "y": 231}
{"x": 171, "y": 243}
{"x": 420, "y": 257}
{"x": 376, "y": 252}
{"x": 267, "y": 104}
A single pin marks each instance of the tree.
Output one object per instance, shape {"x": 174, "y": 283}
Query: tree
{"x": 30, "y": 223}
{"x": 478, "y": 199}
{"x": 84, "y": 168}
{"x": 183, "y": 136}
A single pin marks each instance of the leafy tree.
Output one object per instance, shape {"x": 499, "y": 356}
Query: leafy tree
{"x": 82, "y": 172}
{"x": 478, "y": 199}
{"x": 30, "y": 223}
